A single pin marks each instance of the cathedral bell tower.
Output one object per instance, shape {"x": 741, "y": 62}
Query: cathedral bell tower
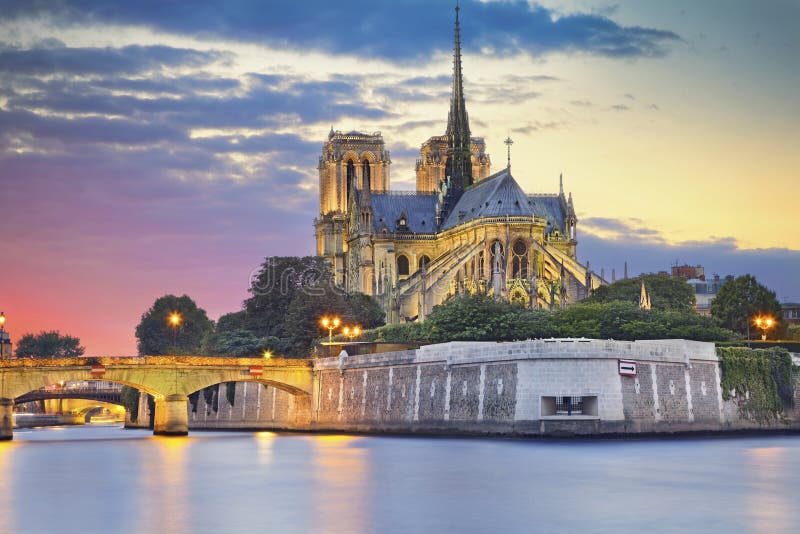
{"x": 352, "y": 159}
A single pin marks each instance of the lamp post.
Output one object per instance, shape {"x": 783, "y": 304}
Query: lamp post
{"x": 764, "y": 323}
{"x": 331, "y": 324}
{"x": 351, "y": 332}
{"x": 175, "y": 320}
{"x": 267, "y": 354}
{"x": 4, "y": 339}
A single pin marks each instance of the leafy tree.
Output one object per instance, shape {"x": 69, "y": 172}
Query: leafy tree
{"x": 49, "y": 345}
{"x": 242, "y": 343}
{"x": 274, "y": 288}
{"x": 228, "y": 323}
{"x": 302, "y": 318}
{"x": 666, "y": 292}
{"x": 793, "y": 332}
{"x": 740, "y": 300}
{"x": 288, "y": 296}
{"x": 365, "y": 311}
{"x": 157, "y": 337}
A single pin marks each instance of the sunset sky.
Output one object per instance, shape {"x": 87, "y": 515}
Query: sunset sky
{"x": 158, "y": 147}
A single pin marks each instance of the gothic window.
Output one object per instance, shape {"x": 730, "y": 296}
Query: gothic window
{"x": 481, "y": 266}
{"x": 367, "y": 177}
{"x": 519, "y": 260}
{"x": 424, "y": 260}
{"x": 351, "y": 172}
{"x": 402, "y": 265}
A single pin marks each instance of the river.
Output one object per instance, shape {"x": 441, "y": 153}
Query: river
{"x": 106, "y": 479}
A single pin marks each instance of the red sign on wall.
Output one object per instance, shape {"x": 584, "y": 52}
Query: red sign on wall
{"x": 256, "y": 371}
{"x": 98, "y": 370}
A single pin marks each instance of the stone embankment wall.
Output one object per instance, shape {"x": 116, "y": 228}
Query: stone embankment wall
{"x": 514, "y": 388}
{"x": 498, "y": 388}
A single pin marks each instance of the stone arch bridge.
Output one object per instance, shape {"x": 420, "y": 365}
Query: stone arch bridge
{"x": 169, "y": 379}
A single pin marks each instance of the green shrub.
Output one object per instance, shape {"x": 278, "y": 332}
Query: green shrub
{"x": 763, "y": 380}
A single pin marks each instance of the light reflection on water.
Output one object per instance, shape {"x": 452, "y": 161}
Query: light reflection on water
{"x": 340, "y": 498}
{"x": 106, "y": 479}
{"x": 770, "y": 505}
{"x": 163, "y": 487}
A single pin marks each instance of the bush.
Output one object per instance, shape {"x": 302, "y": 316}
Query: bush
{"x": 483, "y": 318}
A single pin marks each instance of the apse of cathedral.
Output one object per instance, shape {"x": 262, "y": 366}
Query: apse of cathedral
{"x": 464, "y": 230}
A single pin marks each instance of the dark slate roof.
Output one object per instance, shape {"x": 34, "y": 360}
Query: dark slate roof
{"x": 496, "y": 196}
{"x": 549, "y": 207}
{"x": 420, "y": 211}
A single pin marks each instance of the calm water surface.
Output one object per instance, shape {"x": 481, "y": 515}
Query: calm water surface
{"x": 105, "y": 479}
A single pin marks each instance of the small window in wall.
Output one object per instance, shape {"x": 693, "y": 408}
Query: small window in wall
{"x": 424, "y": 260}
{"x": 402, "y": 266}
{"x": 564, "y": 406}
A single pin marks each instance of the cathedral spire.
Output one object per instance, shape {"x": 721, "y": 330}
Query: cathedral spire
{"x": 459, "y": 161}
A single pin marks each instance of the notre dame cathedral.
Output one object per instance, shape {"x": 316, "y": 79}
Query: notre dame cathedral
{"x": 463, "y": 230}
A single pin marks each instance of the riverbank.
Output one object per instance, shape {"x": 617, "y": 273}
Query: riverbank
{"x": 541, "y": 388}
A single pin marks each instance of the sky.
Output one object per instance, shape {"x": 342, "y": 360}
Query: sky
{"x": 152, "y": 147}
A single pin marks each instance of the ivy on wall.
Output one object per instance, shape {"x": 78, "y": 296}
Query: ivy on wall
{"x": 761, "y": 381}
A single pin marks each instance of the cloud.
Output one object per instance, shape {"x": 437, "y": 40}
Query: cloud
{"x": 620, "y": 107}
{"x": 106, "y": 61}
{"x": 88, "y": 129}
{"x": 389, "y": 30}
{"x": 536, "y": 126}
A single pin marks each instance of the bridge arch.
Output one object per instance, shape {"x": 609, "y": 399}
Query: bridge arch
{"x": 169, "y": 380}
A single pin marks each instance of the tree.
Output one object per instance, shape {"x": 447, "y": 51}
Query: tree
{"x": 288, "y": 297}
{"x": 274, "y": 288}
{"x": 666, "y": 292}
{"x": 302, "y": 325}
{"x": 366, "y": 312}
{"x": 242, "y": 343}
{"x": 156, "y": 336}
{"x": 740, "y": 300}
{"x": 483, "y": 318}
{"x": 49, "y": 345}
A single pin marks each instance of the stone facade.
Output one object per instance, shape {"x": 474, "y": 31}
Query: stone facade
{"x": 514, "y": 388}
{"x": 499, "y": 388}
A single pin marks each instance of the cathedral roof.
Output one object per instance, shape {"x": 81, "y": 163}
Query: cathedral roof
{"x": 496, "y": 196}
{"x": 550, "y": 208}
{"x": 418, "y": 208}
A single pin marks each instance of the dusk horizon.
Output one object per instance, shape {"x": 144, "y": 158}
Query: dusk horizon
{"x": 161, "y": 149}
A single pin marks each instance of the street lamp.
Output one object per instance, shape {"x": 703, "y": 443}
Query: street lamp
{"x": 174, "y": 320}
{"x": 764, "y": 323}
{"x": 267, "y": 354}
{"x": 351, "y": 332}
{"x": 331, "y": 323}
{"x": 2, "y": 321}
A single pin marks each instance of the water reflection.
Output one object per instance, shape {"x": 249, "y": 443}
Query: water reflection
{"x": 7, "y": 519}
{"x": 769, "y": 505}
{"x": 340, "y": 468}
{"x": 163, "y": 486}
{"x": 265, "y": 441}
